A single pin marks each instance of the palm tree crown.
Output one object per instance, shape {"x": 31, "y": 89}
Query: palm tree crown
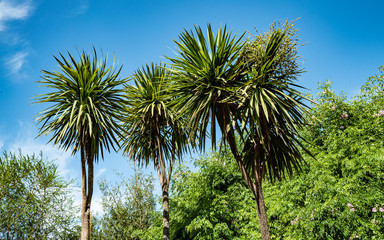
{"x": 87, "y": 103}
{"x": 205, "y": 74}
{"x": 150, "y": 115}
{"x": 271, "y": 106}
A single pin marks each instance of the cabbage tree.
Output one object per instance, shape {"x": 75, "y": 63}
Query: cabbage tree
{"x": 153, "y": 132}
{"x": 86, "y": 101}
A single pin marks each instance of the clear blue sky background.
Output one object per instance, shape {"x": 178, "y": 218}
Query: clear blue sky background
{"x": 345, "y": 43}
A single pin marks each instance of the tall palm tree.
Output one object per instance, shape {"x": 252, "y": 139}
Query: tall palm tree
{"x": 246, "y": 89}
{"x": 271, "y": 110}
{"x": 87, "y": 102}
{"x": 153, "y": 133}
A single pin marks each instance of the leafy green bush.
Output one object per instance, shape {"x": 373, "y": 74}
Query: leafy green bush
{"x": 35, "y": 202}
{"x": 129, "y": 210}
{"x": 212, "y": 203}
{"x": 340, "y": 195}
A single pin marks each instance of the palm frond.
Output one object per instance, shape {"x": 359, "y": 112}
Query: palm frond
{"x": 271, "y": 109}
{"x": 87, "y": 104}
{"x": 206, "y": 72}
{"x": 150, "y": 106}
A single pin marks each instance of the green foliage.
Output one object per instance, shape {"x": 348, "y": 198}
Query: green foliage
{"x": 150, "y": 114}
{"x": 212, "y": 203}
{"x": 271, "y": 105}
{"x": 340, "y": 195}
{"x": 129, "y": 210}
{"x": 205, "y": 73}
{"x": 35, "y": 202}
{"x": 286, "y": 65}
{"x": 333, "y": 200}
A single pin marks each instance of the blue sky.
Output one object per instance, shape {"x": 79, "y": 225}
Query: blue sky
{"x": 344, "y": 43}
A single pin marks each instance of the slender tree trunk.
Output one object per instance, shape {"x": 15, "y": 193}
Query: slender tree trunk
{"x": 87, "y": 190}
{"x": 164, "y": 186}
{"x": 84, "y": 222}
{"x": 232, "y": 145}
{"x": 262, "y": 212}
{"x": 165, "y": 215}
{"x": 256, "y": 186}
{"x": 258, "y": 169}
{"x": 163, "y": 177}
{"x": 89, "y": 194}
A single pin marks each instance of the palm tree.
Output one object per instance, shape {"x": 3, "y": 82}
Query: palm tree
{"x": 153, "y": 133}
{"x": 246, "y": 89}
{"x": 87, "y": 102}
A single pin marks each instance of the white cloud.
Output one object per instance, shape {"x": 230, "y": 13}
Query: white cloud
{"x": 10, "y": 10}
{"x": 82, "y": 7}
{"x": 100, "y": 172}
{"x": 96, "y": 205}
{"x": 16, "y": 62}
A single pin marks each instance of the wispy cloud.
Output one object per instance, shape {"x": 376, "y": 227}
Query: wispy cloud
{"x": 82, "y": 7}
{"x": 11, "y": 39}
{"x": 11, "y": 10}
{"x": 97, "y": 201}
{"x": 78, "y": 7}
{"x": 100, "y": 172}
{"x": 97, "y": 205}
{"x": 16, "y": 62}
